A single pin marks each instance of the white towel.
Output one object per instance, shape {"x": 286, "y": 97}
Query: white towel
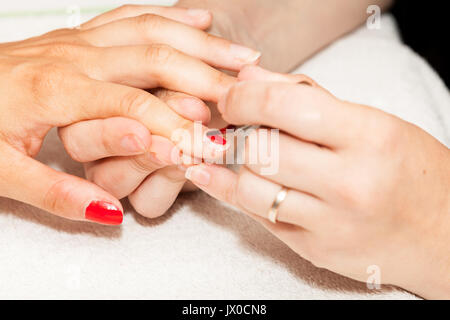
{"x": 202, "y": 249}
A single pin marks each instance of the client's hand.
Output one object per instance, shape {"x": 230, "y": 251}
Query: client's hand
{"x": 69, "y": 76}
{"x": 366, "y": 191}
{"x": 151, "y": 179}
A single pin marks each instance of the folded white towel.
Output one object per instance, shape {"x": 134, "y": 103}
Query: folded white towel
{"x": 201, "y": 248}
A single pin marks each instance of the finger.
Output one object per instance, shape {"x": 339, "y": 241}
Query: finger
{"x": 291, "y": 162}
{"x": 306, "y": 112}
{"x": 155, "y": 66}
{"x": 293, "y": 235}
{"x": 194, "y": 17}
{"x": 251, "y": 72}
{"x": 102, "y": 100}
{"x": 158, "y": 192}
{"x": 185, "y": 105}
{"x": 96, "y": 139}
{"x": 147, "y": 29}
{"x": 255, "y": 194}
{"x": 59, "y": 193}
{"x": 122, "y": 175}
{"x": 109, "y": 173}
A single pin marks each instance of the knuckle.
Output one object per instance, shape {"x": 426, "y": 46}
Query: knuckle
{"x": 44, "y": 79}
{"x": 160, "y": 54}
{"x": 149, "y": 23}
{"x": 60, "y": 49}
{"x": 58, "y": 195}
{"x": 174, "y": 176}
{"x": 146, "y": 163}
{"x": 135, "y": 103}
{"x": 221, "y": 79}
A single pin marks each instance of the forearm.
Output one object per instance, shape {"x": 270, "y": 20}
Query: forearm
{"x": 286, "y": 32}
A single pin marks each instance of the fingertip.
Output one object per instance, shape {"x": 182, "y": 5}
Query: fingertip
{"x": 135, "y": 137}
{"x": 191, "y": 108}
{"x": 104, "y": 212}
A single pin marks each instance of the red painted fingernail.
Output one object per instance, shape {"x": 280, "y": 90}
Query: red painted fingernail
{"x": 217, "y": 139}
{"x": 229, "y": 127}
{"x": 104, "y": 212}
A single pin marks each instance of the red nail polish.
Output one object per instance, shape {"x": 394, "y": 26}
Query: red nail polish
{"x": 217, "y": 139}
{"x": 104, "y": 212}
{"x": 229, "y": 127}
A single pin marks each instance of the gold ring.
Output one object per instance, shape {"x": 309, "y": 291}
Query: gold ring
{"x": 273, "y": 212}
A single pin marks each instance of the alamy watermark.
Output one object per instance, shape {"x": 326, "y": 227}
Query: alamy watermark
{"x": 255, "y": 146}
{"x": 374, "y": 20}
{"x": 74, "y": 19}
{"x": 374, "y": 280}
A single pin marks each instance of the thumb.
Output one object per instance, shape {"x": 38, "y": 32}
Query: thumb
{"x": 29, "y": 181}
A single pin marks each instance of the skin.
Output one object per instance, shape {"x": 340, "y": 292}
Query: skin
{"x": 109, "y": 61}
{"x": 382, "y": 199}
{"x": 284, "y": 45}
{"x": 383, "y": 196}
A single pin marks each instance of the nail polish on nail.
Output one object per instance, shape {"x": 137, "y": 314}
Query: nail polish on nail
{"x": 132, "y": 143}
{"x": 104, "y": 212}
{"x": 198, "y": 175}
{"x": 244, "y": 54}
{"x": 218, "y": 139}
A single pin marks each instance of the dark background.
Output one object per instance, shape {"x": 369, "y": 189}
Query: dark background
{"x": 425, "y": 28}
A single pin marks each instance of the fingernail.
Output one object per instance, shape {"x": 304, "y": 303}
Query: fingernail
{"x": 191, "y": 105}
{"x": 133, "y": 143}
{"x": 198, "y": 13}
{"x": 104, "y": 212}
{"x": 218, "y": 139}
{"x": 215, "y": 140}
{"x": 198, "y": 175}
{"x": 244, "y": 54}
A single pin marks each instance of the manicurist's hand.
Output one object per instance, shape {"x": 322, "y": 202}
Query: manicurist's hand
{"x": 365, "y": 190}
{"x": 98, "y": 72}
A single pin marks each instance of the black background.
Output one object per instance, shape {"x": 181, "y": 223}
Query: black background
{"x": 425, "y": 26}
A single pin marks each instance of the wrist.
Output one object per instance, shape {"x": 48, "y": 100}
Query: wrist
{"x": 232, "y": 21}
{"x": 428, "y": 274}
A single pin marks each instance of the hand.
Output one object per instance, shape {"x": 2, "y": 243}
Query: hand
{"x": 69, "y": 76}
{"x": 364, "y": 187}
{"x": 151, "y": 179}
{"x": 286, "y": 32}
